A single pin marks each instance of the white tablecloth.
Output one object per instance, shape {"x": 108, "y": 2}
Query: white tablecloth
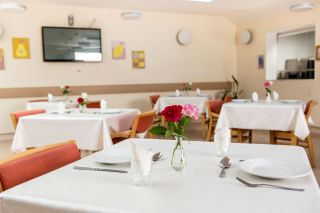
{"x": 199, "y": 101}
{"x": 90, "y": 130}
{"x": 197, "y": 190}
{"x": 264, "y": 116}
{"x": 49, "y": 106}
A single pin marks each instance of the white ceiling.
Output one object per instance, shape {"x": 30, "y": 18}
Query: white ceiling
{"x": 236, "y": 10}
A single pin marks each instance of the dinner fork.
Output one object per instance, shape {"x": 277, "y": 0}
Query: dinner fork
{"x": 268, "y": 185}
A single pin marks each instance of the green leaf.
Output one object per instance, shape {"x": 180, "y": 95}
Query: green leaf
{"x": 168, "y": 133}
{"x": 171, "y": 125}
{"x": 235, "y": 80}
{"x": 158, "y": 130}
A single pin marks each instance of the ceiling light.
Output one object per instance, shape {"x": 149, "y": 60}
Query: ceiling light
{"x": 301, "y": 7}
{"x": 131, "y": 15}
{"x": 201, "y": 1}
{"x": 12, "y": 7}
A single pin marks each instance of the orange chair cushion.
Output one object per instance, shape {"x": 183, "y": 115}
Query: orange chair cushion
{"x": 21, "y": 170}
{"x": 154, "y": 98}
{"x": 215, "y": 106}
{"x": 145, "y": 123}
{"x": 18, "y": 115}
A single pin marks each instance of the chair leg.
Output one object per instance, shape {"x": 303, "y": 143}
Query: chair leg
{"x": 311, "y": 152}
{"x": 209, "y": 134}
{"x": 250, "y": 136}
{"x": 149, "y": 135}
{"x": 294, "y": 140}
{"x": 273, "y": 139}
{"x": 240, "y": 134}
{"x": 203, "y": 123}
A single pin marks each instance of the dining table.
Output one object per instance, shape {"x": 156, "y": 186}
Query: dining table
{"x": 198, "y": 101}
{"x": 91, "y": 129}
{"x": 50, "y": 105}
{"x": 279, "y": 115}
{"x": 195, "y": 189}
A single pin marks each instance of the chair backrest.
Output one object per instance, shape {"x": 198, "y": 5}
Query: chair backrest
{"x": 154, "y": 99}
{"x": 142, "y": 123}
{"x": 33, "y": 163}
{"x": 15, "y": 116}
{"x": 309, "y": 108}
{"x": 227, "y": 99}
{"x": 214, "y": 106}
{"x": 93, "y": 104}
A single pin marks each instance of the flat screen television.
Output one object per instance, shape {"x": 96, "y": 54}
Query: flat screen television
{"x": 71, "y": 44}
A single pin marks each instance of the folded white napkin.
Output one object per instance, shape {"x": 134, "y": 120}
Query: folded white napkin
{"x": 61, "y": 107}
{"x": 141, "y": 160}
{"x": 222, "y": 139}
{"x": 177, "y": 92}
{"x": 255, "y": 97}
{"x": 198, "y": 91}
{"x": 275, "y": 95}
{"x": 50, "y": 97}
{"x": 84, "y": 95}
{"x": 103, "y": 105}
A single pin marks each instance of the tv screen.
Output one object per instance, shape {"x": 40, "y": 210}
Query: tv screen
{"x": 71, "y": 44}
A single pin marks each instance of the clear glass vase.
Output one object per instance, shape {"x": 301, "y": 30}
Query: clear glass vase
{"x": 83, "y": 108}
{"x": 178, "y": 160}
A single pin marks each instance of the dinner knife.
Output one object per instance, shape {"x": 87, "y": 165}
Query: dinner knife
{"x": 99, "y": 169}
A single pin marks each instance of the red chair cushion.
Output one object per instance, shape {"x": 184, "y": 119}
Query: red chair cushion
{"x": 145, "y": 123}
{"x": 154, "y": 98}
{"x": 215, "y": 106}
{"x": 18, "y": 115}
{"x": 95, "y": 104}
{"x": 21, "y": 170}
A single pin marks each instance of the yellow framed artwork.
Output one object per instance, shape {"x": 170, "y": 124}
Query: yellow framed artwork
{"x": 21, "y": 48}
{"x": 118, "y": 50}
{"x": 1, "y": 59}
{"x": 138, "y": 59}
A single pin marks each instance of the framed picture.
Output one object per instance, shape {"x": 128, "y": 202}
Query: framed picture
{"x": 260, "y": 61}
{"x": 318, "y": 52}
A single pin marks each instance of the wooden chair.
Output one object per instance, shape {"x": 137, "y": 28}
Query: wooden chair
{"x": 153, "y": 100}
{"x": 93, "y": 104}
{"x": 227, "y": 99}
{"x": 15, "y": 116}
{"x": 30, "y": 164}
{"x": 214, "y": 108}
{"x": 288, "y": 137}
{"x": 158, "y": 119}
{"x": 141, "y": 123}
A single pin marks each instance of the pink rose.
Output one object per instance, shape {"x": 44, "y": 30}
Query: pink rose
{"x": 191, "y": 111}
{"x": 267, "y": 84}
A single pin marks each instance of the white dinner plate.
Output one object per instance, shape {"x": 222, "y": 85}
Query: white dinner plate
{"x": 239, "y": 100}
{"x": 113, "y": 156}
{"x": 291, "y": 101}
{"x": 274, "y": 169}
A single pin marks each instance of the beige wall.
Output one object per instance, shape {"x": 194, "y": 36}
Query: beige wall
{"x": 251, "y": 78}
{"x": 211, "y": 57}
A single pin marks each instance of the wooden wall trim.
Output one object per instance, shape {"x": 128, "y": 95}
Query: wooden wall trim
{"x": 106, "y": 89}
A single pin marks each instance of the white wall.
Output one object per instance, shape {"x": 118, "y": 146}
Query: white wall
{"x": 211, "y": 57}
{"x": 252, "y": 78}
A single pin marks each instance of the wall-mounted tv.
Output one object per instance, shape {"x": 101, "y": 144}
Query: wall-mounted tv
{"x": 63, "y": 44}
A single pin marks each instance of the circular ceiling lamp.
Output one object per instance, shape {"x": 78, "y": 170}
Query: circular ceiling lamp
{"x": 131, "y": 15}
{"x": 302, "y": 7}
{"x": 12, "y": 7}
